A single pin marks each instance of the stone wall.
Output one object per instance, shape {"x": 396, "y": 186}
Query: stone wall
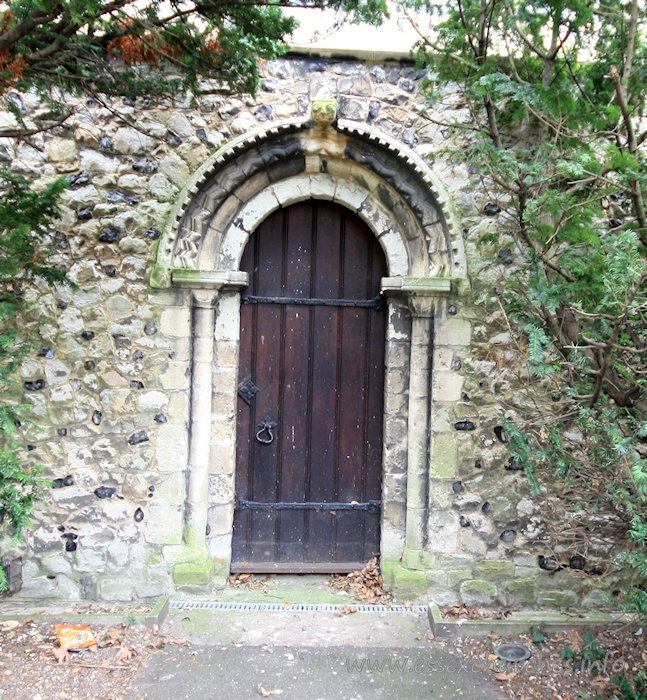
{"x": 112, "y": 389}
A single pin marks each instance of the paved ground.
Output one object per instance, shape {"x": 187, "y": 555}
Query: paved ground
{"x": 308, "y": 655}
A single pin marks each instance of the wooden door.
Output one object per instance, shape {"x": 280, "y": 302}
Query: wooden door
{"x": 310, "y": 397}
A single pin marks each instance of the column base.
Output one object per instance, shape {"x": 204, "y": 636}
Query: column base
{"x": 196, "y": 575}
{"x": 404, "y": 583}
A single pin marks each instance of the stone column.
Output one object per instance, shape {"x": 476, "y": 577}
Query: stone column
{"x": 422, "y": 312}
{"x": 194, "y": 571}
{"x": 195, "y": 525}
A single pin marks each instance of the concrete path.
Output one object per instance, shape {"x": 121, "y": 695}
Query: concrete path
{"x": 308, "y": 656}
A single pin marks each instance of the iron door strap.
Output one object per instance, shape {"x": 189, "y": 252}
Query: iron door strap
{"x": 370, "y": 506}
{"x": 378, "y": 303}
{"x": 267, "y": 426}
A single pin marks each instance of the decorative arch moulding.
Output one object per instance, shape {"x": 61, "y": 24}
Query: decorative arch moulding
{"x": 384, "y": 181}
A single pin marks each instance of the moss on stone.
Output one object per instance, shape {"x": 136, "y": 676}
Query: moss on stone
{"x": 557, "y": 599}
{"x": 457, "y": 576}
{"x": 494, "y": 570}
{"x": 409, "y": 584}
{"x": 388, "y": 566}
{"x": 412, "y": 559}
{"x": 160, "y": 277}
{"x": 478, "y": 592}
{"x": 518, "y": 592}
{"x": 193, "y": 573}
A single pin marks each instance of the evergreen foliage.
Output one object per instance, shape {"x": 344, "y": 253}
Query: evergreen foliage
{"x": 130, "y": 48}
{"x": 555, "y": 95}
{"x": 25, "y": 240}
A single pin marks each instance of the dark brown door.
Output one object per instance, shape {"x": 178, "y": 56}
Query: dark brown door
{"x": 310, "y": 397}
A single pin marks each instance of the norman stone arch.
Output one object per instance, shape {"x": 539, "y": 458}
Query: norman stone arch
{"x": 385, "y": 182}
{"x": 408, "y": 210}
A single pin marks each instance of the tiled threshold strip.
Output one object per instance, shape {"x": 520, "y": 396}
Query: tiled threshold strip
{"x": 294, "y": 607}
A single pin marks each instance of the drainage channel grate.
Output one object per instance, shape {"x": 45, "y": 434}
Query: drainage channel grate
{"x": 293, "y": 607}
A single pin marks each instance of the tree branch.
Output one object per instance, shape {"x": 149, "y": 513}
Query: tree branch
{"x": 631, "y": 40}
{"x": 27, "y": 26}
{"x": 637, "y": 196}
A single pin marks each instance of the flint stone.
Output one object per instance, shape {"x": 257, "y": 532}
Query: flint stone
{"x": 138, "y": 438}
{"x": 105, "y": 491}
{"x": 172, "y": 139}
{"x": 145, "y": 165}
{"x": 175, "y": 169}
{"x": 160, "y": 188}
{"x": 129, "y": 141}
{"x": 110, "y": 235}
{"x": 116, "y": 197}
{"x": 82, "y": 197}
{"x": 180, "y": 125}
{"x": 36, "y": 385}
{"x": 96, "y": 163}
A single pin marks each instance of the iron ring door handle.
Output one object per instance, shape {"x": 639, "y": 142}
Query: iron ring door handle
{"x": 266, "y": 427}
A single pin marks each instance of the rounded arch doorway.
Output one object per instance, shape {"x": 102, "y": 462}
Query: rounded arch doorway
{"x": 310, "y": 393}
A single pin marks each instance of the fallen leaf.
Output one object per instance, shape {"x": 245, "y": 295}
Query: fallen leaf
{"x": 575, "y": 640}
{"x": 124, "y": 654}
{"x": 61, "y": 654}
{"x": 347, "y": 610}
{"x": 503, "y": 677}
{"x": 492, "y": 657}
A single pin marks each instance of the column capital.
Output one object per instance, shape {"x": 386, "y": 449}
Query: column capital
{"x": 421, "y": 306}
{"x": 205, "y": 298}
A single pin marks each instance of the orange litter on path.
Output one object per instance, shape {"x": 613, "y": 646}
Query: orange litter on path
{"x": 74, "y": 636}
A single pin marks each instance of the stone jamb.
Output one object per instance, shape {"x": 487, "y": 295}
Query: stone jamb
{"x": 194, "y": 565}
{"x": 203, "y": 319}
{"x": 422, "y": 314}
